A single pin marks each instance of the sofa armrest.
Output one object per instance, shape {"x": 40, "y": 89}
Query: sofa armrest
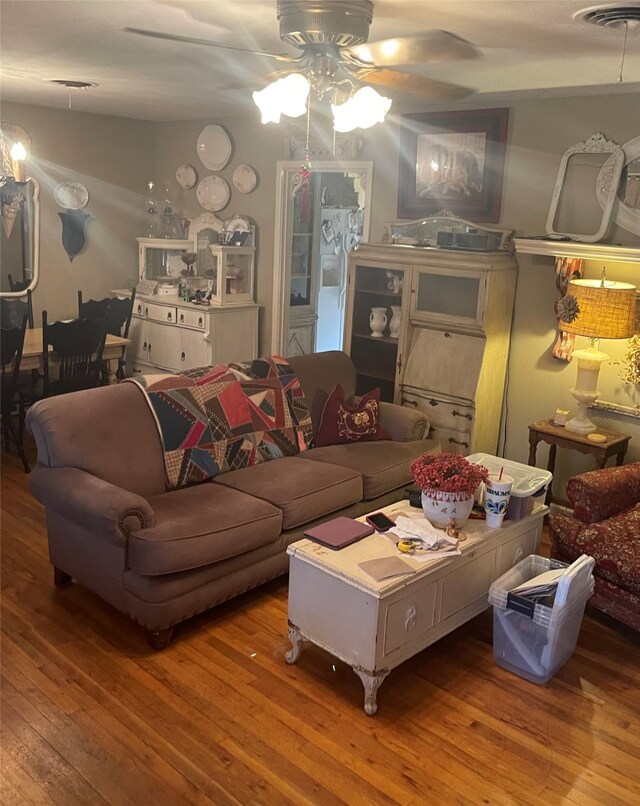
{"x": 94, "y": 504}
{"x": 599, "y": 494}
{"x": 403, "y": 424}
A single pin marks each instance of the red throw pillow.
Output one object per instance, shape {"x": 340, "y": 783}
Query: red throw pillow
{"x": 355, "y": 420}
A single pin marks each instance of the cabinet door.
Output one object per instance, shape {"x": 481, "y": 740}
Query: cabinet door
{"x": 195, "y": 350}
{"x": 448, "y": 297}
{"x": 373, "y": 329}
{"x": 445, "y": 362}
{"x": 137, "y": 350}
{"x": 164, "y": 345}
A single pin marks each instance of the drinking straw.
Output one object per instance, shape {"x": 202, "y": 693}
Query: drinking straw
{"x": 500, "y": 476}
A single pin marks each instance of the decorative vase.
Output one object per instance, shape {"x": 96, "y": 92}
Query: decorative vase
{"x": 378, "y": 321}
{"x": 440, "y": 507}
{"x": 394, "y": 324}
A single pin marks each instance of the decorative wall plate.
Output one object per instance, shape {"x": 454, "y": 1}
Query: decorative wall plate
{"x": 186, "y": 176}
{"x": 237, "y": 223}
{"x": 214, "y": 147}
{"x": 213, "y": 193}
{"x": 71, "y": 195}
{"x": 244, "y": 178}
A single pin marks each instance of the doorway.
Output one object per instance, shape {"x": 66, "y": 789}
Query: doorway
{"x": 319, "y": 220}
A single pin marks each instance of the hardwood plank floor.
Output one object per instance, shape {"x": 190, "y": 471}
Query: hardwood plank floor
{"x": 91, "y": 715}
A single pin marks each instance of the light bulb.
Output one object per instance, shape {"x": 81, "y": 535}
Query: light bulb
{"x": 286, "y": 96}
{"x": 361, "y": 111}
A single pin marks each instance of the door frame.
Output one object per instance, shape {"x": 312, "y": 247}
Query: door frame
{"x": 285, "y": 170}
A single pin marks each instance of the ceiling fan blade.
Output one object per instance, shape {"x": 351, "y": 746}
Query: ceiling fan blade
{"x": 432, "y": 46}
{"x": 419, "y": 85}
{"x": 281, "y": 57}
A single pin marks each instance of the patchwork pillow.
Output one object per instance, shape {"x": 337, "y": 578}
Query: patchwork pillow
{"x": 355, "y": 420}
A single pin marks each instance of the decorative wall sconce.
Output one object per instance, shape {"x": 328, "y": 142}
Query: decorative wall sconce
{"x": 14, "y": 142}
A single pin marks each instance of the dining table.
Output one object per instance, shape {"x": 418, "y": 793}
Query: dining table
{"x": 32, "y": 351}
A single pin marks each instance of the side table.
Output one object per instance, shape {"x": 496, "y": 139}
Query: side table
{"x": 558, "y": 436}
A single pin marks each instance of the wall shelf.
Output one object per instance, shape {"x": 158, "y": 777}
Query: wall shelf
{"x": 587, "y": 251}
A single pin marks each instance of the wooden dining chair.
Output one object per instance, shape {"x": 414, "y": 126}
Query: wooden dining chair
{"x": 119, "y": 313}
{"x": 71, "y": 361}
{"x": 13, "y": 309}
{"x": 11, "y": 355}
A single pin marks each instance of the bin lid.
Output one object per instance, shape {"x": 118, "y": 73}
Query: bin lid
{"x": 527, "y": 480}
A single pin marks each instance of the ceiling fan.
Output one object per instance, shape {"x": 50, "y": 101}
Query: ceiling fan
{"x": 332, "y": 37}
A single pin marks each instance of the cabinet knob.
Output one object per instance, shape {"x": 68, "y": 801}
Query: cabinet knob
{"x": 146, "y": 311}
{"x": 460, "y": 414}
{"x": 200, "y": 321}
{"x": 447, "y": 335}
{"x": 181, "y": 318}
{"x": 149, "y": 348}
{"x": 433, "y": 401}
{"x": 169, "y": 316}
{"x": 137, "y": 371}
{"x": 183, "y": 357}
{"x": 406, "y": 402}
{"x": 144, "y": 346}
{"x": 140, "y": 309}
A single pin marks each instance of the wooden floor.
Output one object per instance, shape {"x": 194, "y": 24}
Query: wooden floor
{"x": 91, "y": 715}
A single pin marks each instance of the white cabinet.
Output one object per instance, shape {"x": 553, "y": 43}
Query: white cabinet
{"x": 168, "y": 334}
{"x": 449, "y": 356}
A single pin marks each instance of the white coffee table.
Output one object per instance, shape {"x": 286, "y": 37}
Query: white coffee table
{"x": 374, "y": 626}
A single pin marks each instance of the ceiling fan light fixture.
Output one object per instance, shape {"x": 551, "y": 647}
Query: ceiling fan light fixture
{"x": 364, "y": 109}
{"x": 286, "y": 96}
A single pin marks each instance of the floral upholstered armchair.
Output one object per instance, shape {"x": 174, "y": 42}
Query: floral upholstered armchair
{"x": 606, "y": 525}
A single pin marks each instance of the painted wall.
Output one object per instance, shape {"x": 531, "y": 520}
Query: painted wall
{"x": 113, "y": 157}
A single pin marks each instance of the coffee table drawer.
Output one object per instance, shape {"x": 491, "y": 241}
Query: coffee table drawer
{"x": 410, "y": 617}
{"x": 462, "y": 589}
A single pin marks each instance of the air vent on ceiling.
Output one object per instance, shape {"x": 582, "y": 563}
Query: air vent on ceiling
{"x": 74, "y": 85}
{"x": 611, "y": 16}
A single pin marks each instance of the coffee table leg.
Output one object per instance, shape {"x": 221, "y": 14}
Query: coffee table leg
{"x": 371, "y": 683}
{"x": 297, "y": 644}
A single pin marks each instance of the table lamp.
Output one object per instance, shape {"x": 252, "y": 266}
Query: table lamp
{"x": 598, "y": 309}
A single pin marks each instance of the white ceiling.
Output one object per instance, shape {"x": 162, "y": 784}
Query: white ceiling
{"x": 527, "y": 47}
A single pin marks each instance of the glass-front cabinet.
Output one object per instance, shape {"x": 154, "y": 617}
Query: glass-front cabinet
{"x": 430, "y": 326}
{"x": 373, "y": 332}
{"x": 232, "y": 274}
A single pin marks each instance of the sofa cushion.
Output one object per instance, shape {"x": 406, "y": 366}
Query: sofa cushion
{"x": 384, "y": 466}
{"x": 613, "y": 543}
{"x": 201, "y": 525}
{"x": 354, "y": 420}
{"x": 303, "y": 490}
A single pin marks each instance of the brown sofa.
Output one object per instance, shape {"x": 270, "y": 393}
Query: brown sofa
{"x": 161, "y": 557}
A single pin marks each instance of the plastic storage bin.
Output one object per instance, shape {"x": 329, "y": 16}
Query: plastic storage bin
{"x": 536, "y": 646}
{"x": 529, "y": 483}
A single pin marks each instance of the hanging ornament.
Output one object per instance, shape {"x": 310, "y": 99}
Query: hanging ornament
{"x": 305, "y": 174}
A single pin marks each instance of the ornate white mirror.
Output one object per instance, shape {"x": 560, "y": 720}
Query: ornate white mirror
{"x": 626, "y": 207}
{"x": 20, "y": 208}
{"x": 575, "y": 211}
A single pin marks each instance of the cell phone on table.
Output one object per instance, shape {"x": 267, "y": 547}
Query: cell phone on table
{"x": 380, "y": 522}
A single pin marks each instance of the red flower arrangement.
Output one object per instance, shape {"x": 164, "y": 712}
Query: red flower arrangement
{"x": 448, "y": 472}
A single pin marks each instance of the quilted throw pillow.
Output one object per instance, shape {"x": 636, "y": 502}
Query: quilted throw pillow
{"x": 355, "y": 420}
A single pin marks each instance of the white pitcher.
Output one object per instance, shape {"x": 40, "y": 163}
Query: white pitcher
{"x": 394, "y": 324}
{"x": 378, "y": 321}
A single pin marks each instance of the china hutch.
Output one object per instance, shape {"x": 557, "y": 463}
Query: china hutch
{"x": 171, "y": 333}
{"x": 429, "y": 319}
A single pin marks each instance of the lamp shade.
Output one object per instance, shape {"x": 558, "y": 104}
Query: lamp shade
{"x": 605, "y": 309}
